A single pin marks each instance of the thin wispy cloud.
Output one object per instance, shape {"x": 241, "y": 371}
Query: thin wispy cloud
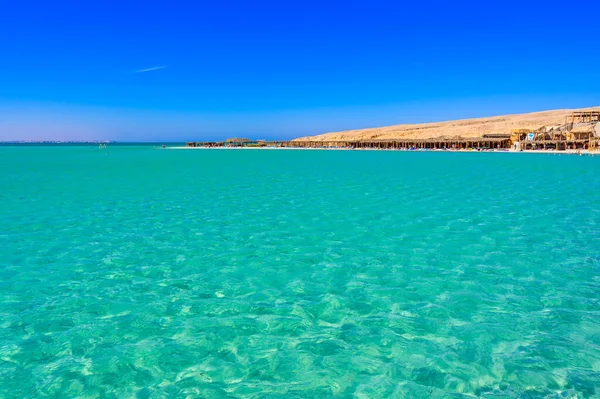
{"x": 156, "y": 68}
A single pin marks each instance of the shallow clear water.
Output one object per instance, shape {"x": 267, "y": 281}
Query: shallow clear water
{"x": 134, "y": 272}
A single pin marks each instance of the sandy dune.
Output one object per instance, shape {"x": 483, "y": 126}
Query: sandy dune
{"x": 454, "y": 129}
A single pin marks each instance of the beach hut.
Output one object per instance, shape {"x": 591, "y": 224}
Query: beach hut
{"x": 517, "y": 135}
{"x": 497, "y": 136}
{"x": 237, "y": 142}
{"x": 581, "y": 132}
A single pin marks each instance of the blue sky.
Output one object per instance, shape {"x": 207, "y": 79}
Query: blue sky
{"x": 74, "y": 69}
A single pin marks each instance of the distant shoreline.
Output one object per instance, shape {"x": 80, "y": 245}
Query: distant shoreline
{"x": 507, "y": 151}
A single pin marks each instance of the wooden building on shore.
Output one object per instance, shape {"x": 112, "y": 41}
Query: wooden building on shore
{"x": 237, "y": 142}
{"x": 589, "y": 116}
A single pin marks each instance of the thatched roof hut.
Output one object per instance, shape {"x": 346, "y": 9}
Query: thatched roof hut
{"x": 496, "y": 136}
{"x": 237, "y": 140}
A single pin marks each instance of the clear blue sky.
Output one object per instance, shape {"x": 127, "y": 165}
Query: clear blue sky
{"x": 279, "y": 69}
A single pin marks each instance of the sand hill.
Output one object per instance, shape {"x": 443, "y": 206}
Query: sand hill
{"x": 465, "y": 128}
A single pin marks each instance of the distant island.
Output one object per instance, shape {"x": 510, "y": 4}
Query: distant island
{"x": 569, "y": 129}
{"x": 579, "y": 120}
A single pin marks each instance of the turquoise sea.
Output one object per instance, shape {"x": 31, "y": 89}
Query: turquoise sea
{"x": 134, "y": 272}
